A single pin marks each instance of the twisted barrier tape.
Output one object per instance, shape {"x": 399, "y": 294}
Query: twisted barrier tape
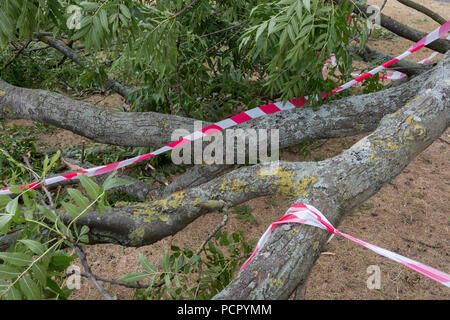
{"x": 237, "y": 119}
{"x": 393, "y": 75}
{"x": 307, "y": 214}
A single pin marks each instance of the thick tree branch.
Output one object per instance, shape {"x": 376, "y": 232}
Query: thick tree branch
{"x": 417, "y": 6}
{"x": 343, "y": 182}
{"x": 440, "y": 45}
{"x": 345, "y": 117}
{"x": 149, "y": 129}
{"x": 383, "y": 154}
{"x": 153, "y": 129}
{"x": 410, "y": 68}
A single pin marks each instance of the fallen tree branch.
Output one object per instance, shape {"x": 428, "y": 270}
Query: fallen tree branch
{"x": 404, "y": 31}
{"x": 150, "y": 129}
{"x": 343, "y": 182}
{"x": 417, "y": 6}
{"x": 17, "y": 54}
{"x": 80, "y": 253}
{"x": 68, "y": 52}
{"x": 410, "y": 68}
{"x": 137, "y": 224}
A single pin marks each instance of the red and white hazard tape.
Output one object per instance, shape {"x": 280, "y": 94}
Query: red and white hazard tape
{"x": 239, "y": 118}
{"x": 393, "y": 75}
{"x": 307, "y": 214}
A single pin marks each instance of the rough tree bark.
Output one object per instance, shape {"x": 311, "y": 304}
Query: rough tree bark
{"x": 354, "y": 114}
{"x": 144, "y": 223}
{"x": 402, "y": 30}
{"x": 335, "y": 186}
{"x": 343, "y": 182}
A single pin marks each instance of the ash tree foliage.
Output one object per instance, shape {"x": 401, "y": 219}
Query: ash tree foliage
{"x": 199, "y": 58}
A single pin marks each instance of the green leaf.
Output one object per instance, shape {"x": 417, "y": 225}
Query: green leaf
{"x": 11, "y": 207}
{"x": 50, "y": 215}
{"x": 4, "y": 222}
{"x": 8, "y": 272}
{"x": 36, "y": 247}
{"x": 40, "y": 272}
{"x": 307, "y": 4}
{"x": 71, "y": 209}
{"x": 133, "y": 277}
{"x": 167, "y": 280}
{"x": 13, "y": 294}
{"x": 92, "y": 189}
{"x": 29, "y": 288}
{"x": 80, "y": 33}
{"x": 146, "y": 264}
{"x": 104, "y": 20}
{"x": 125, "y": 11}
{"x": 60, "y": 261}
{"x": 4, "y": 200}
{"x": 19, "y": 259}
{"x": 111, "y": 183}
{"x": 53, "y": 286}
{"x": 260, "y": 30}
{"x": 15, "y": 189}
{"x": 165, "y": 261}
{"x": 89, "y": 6}
{"x": 80, "y": 200}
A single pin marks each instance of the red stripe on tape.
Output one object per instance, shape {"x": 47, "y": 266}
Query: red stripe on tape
{"x": 145, "y": 156}
{"x": 180, "y": 143}
{"x": 363, "y": 77}
{"x": 389, "y": 63}
{"x": 241, "y": 117}
{"x": 211, "y": 129}
{"x": 108, "y": 168}
{"x": 73, "y": 174}
{"x": 269, "y": 108}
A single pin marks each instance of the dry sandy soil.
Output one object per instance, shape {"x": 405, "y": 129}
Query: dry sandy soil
{"x": 408, "y": 216}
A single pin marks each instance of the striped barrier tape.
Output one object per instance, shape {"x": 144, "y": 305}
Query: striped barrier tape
{"x": 307, "y": 214}
{"x": 237, "y": 119}
{"x": 396, "y": 75}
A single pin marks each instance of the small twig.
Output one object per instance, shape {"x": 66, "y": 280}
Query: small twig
{"x": 80, "y": 253}
{"x": 179, "y": 13}
{"x": 119, "y": 283}
{"x": 444, "y": 140}
{"x": 155, "y": 175}
{"x": 15, "y": 56}
{"x": 382, "y": 6}
{"x": 212, "y": 234}
{"x": 36, "y": 176}
{"x": 37, "y": 49}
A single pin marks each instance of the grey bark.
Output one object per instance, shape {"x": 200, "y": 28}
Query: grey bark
{"x": 417, "y": 6}
{"x": 334, "y": 186}
{"x": 344, "y": 117}
{"x": 337, "y": 118}
{"x": 150, "y": 129}
{"x": 410, "y": 68}
{"x": 68, "y": 52}
{"x": 343, "y": 182}
{"x": 402, "y": 30}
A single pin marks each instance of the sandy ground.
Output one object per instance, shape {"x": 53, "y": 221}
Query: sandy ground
{"x": 408, "y": 216}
